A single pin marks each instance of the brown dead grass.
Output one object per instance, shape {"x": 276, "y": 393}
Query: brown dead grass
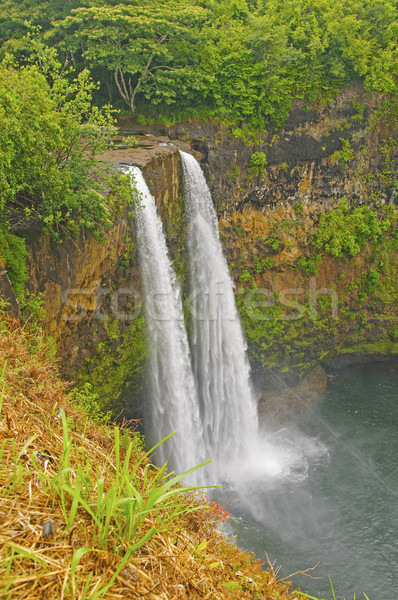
{"x": 190, "y": 560}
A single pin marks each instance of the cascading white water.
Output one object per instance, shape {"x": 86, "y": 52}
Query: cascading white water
{"x": 243, "y": 455}
{"x": 216, "y": 418}
{"x": 228, "y": 409}
{"x": 174, "y": 403}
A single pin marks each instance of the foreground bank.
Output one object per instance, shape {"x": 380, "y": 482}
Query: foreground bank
{"x": 85, "y": 515}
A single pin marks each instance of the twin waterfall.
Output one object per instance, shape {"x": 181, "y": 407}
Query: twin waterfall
{"x": 202, "y": 391}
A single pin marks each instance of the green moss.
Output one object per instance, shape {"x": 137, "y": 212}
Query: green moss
{"x": 385, "y": 347}
{"x": 117, "y": 363}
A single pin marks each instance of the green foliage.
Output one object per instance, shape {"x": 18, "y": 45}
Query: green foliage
{"x": 257, "y": 163}
{"x": 246, "y": 277}
{"x": 235, "y": 173}
{"x": 250, "y": 62}
{"x": 344, "y": 230}
{"x": 263, "y": 265}
{"x": 145, "y": 48}
{"x": 372, "y": 279}
{"x": 273, "y": 241}
{"x": 345, "y": 154}
{"x": 117, "y": 362}
{"x": 13, "y": 253}
{"x": 124, "y": 503}
{"x": 88, "y": 400}
{"x": 49, "y": 137}
{"x": 247, "y": 135}
{"x": 309, "y": 265}
{"x": 130, "y": 141}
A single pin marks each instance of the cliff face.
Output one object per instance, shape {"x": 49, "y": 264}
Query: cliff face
{"x": 299, "y": 305}
{"x": 91, "y": 289}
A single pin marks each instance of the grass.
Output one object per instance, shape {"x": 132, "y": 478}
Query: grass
{"x": 83, "y": 512}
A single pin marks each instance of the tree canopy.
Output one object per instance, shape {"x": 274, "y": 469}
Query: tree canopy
{"x": 236, "y": 59}
{"x": 48, "y": 139}
{"x": 148, "y": 48}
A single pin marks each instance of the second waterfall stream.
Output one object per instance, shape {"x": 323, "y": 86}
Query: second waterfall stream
{"x": 227, "y": 408}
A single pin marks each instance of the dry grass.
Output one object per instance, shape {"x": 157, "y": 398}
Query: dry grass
{"x": 185, "y": 559}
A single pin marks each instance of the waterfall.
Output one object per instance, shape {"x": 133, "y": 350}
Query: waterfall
{"x": 174, "y": 403}
{"x": 227, "y": 407}
{"x": 208, "y": 400}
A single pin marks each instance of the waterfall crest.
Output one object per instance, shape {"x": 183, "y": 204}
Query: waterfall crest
{"x": 174, "y": 403}
{"x": 227, "y": 406}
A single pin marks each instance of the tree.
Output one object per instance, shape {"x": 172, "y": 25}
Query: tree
{"x": 140, "y": 45}
{"x": 49, "y": 137}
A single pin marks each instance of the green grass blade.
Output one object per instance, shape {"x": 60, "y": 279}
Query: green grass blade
{"x": 3, "y": 382}
{"x": 27, "y": 554}
{"x": 331, "y": 585}
{"x": 28, "y": 443}
{"x": 76, "y": 558}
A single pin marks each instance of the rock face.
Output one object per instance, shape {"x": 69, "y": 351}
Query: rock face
{"x": 87, "y": 284}
{"x": 295, "y": 317}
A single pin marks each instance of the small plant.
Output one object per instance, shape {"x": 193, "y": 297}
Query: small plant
{"x": 84, "y": 397}
{"x": 130, "y": 141}
{"x": 273, "y": 242}
{"x": 33, "y": 310}
{"x": 344, "y": 155}
{"x": 257, "y": 163}
{"x": 309, "y": 265}
{"x": 372, "y": 279}
{"x": 345, "y": 231}
{"x": 263, "y": 265}
{"x": 13, "y": 254}
{"x": 120, "y": 505}
{"x": 235, "y": 173}
{"x": 246, "y": 277}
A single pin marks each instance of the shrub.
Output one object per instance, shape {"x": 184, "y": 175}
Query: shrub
{"x": 345, "y": 231}
{"x": 257, "y": 163}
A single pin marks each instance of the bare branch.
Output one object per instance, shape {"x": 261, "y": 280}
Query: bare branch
{"x": 121, "y": 85}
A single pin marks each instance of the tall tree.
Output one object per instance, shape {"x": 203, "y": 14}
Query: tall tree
{"x": 140, "y": 45}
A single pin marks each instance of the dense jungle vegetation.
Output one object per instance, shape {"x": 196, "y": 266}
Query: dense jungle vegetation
{"x": 236, "y": 59}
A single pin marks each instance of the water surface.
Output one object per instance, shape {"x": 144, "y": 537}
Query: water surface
{"x": 338, "y": 509}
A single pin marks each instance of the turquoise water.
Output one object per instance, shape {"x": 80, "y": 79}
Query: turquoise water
{"x": 339, "y": 511}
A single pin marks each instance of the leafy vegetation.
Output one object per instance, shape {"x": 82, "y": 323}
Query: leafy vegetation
{"x": 344, "y": 231}
{"x": 257, "y": 163}
{"x": 251, "y": 58}
{"x": 13, "y": 255}
{"x": 50, "y": 134}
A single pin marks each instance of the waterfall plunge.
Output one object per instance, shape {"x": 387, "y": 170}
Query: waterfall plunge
{"x": 174, "y": 404}
{"x": 242, "y": 455}
{"x": 211, "y": 404}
